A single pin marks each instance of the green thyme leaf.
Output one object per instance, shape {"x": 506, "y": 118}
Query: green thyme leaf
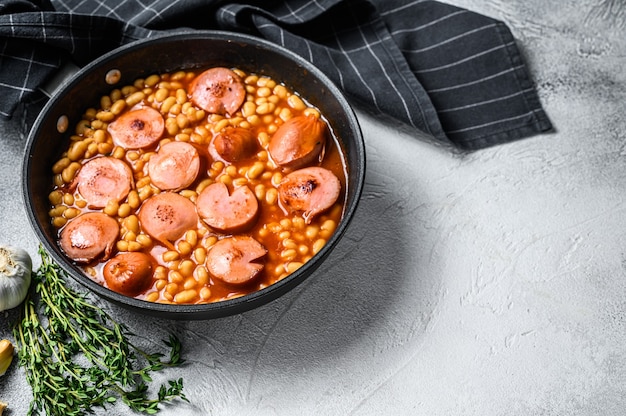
{"x": 77, "y": 358}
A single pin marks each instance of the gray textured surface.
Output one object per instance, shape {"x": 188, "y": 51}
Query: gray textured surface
{"x": 487, "y": 283}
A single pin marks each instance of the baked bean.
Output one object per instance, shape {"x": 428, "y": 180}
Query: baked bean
{"x": 71, "y": 213}
{"x": 128, "y": 90}
{"x": 285, "y": 114}
{"x": 56, "y": 197}
{"x": 221, "y": 124}
{"x": 167, "y": 104}
{"x": 170, "y": 255}
{"x": 69, "y": 172}
{"x": 144, "y": 240}
{"x": 205, "y": 293}
{"x": 116, "y": 94}
{"x": 68, "y": 199}
{"x": 124, "y": 210}
{"x": 171, "y": 289}
{"x": 111, "y": 208}
{"x": 145, "y": 193}
{"x": 104, "y": 116}
{"x": 311, "y": 112}
{"x": 202, "y": 275}
{"x": 281, "y": 91}
{"x": 129, "y": 236}
{"x": 199, "y": 255}
{"x": 77, "y": 150}
{"x": 190, "y": 283}
{"x": 186, "y": 267}
{"x": 296, "y": 103}
{"x": 105, "y": 148}
{"x": 134, "y": 246}
{"x": 60, "y": 165}
{"x": 265, "y": 108}
{"x": 62, "y": 124}
{"x": 271, "y": 196}
{"x": 292, "y": 266}
{"x": 119, "y": 152}
{"x": 248, "y": 109}
{"x": 131, "y": 223}
{"x": 171, "y": 126}
{"x": 186, "y": 296}
{"x": 59, "y": 221}
{"x": 318, "y": 245}
{"x": 118, "y": 106}
{"x": 152, "y": 80}
{"x": 160, "y": 95}
{"x": 95, "y": 125}
{"x": 181, "y": 96}
{"x": 122, "y": 245}
{"x": 105, "y": 102}
{"x": 135, "y": 98}
{"x": 82, "y": 126}
{"x": 160, "y": 273}
{"x": 57, "y": 211}
{"x": 160, "y": 284}
{"x": 312, "y": 231}
{"x": 152, "y": 296}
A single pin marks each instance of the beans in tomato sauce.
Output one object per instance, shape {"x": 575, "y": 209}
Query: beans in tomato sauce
{"x": 233, "y": 149}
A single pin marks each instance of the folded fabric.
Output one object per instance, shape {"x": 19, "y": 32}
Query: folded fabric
{"x": 451, "y": 73}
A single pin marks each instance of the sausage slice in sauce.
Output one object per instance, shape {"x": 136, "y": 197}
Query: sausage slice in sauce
{"x": 167, "y": 216}
{"x": 309, "y": 190}
{"x": 138, "y": 128}
{"x": 218, "y": 90}
{"x": 103, "y": 179}
{"x": 229, "y": 213}
{"x": 234, "y": 144}
{"x": 175, "y": 166}
{"x": 236, "y": 260}
{"x": 129, "y": 273}
{"x": 88, "y": 236}
{"x": 298, "y": 142}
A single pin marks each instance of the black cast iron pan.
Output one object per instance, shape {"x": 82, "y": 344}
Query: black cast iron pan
{"x": 198, "y": 49}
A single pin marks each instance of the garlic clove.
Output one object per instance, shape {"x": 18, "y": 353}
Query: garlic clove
{"x": 15, "y": 276}
{"x": 6, "y": 355}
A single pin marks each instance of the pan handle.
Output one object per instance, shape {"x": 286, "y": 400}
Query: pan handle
{"x": 65, "y": 72}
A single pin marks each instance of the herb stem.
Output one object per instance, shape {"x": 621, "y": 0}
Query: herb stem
{"x": 77, "y": 357}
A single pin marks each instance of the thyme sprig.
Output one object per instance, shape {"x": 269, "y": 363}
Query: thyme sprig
{"x": 76, "y": 357}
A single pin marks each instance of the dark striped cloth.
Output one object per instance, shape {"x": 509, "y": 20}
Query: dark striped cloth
{"x": 451, "y": 73}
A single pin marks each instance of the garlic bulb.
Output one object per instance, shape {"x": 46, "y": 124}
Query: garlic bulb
{"x": 15, "y": 275}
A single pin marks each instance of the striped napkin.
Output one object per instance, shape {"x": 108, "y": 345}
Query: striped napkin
{"x": 456, "y": 75}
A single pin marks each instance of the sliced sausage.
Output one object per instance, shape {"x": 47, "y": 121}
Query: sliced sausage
{"x": 234, "y": 144}
{"x": 88, "y": 236}
{"x": 138, "y": 128}
{"x": 236, "y": 260}
{"x": 103, "y": 179}
{"x": 175, "y": 166}
{"x": 167, "y": 216}
{"x": 229, "y": 213}
{"x": 129, "y": 273}
{"x": 218, "y": 90}
{"x": 298, "y": 142}
{"x": 310, "y": 190}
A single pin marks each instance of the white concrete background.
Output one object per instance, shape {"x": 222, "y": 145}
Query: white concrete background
{"x": 487, "y": 283}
